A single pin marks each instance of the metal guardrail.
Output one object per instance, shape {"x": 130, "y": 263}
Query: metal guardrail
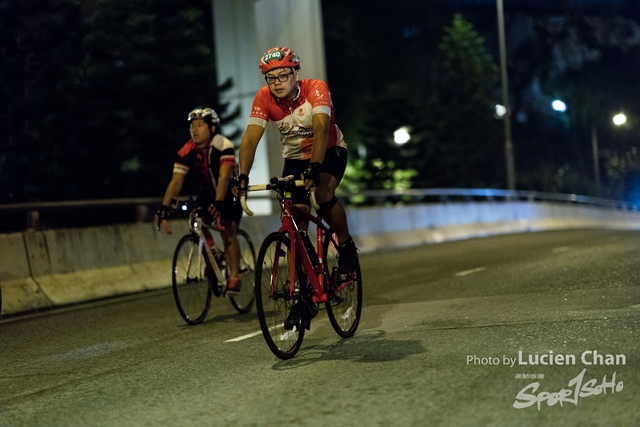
{"x": 33, "y": 209}
{"x": 445, "y": 194}
{"x": 143, "y": 206}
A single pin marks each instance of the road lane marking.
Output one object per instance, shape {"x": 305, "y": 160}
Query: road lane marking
{"x": 473, "y": 270}
{"x": 560, "y": 249}
{"x": 254, "y": 334}
{"x": 244, "y": 337}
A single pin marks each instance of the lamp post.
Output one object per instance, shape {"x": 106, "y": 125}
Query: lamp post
{"x": 508, "y": 144}
{"x": 596, "y": 157}
{"x": 618, "y": 120}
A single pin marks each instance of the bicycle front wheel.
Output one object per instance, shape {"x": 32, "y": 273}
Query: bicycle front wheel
{"x": 191, "y": 276}
{"x": 275, "y": 298}
{"x": 344, "y": 306}
{"x": 244, "y": 301}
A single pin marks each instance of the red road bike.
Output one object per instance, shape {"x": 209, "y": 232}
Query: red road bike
{"x": 290, "y": 288}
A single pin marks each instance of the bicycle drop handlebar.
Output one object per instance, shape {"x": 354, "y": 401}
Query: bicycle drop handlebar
{"x": 277, "y": 184}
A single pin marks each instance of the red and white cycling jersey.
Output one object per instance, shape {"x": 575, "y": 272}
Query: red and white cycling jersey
{"x": 295, "y": 120}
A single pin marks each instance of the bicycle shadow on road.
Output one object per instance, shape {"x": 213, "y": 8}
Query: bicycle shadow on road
{"x": 370, "y": 346}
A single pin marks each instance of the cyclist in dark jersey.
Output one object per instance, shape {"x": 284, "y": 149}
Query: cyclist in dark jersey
{"x": 212, "y": 157}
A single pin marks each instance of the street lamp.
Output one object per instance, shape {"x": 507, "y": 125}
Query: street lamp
{"x": 559, "y": 106}
{"x": 619, "y": 119}
{"x": 401, "y": 135}
{"x": 508, "y": 144}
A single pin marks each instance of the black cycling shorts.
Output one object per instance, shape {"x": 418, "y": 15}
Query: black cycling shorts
{"x": 335, "y": 163}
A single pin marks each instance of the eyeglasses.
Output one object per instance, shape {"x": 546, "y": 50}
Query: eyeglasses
{"x": 282, "y": 78}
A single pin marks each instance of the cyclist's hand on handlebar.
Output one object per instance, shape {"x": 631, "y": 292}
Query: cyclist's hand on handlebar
{"x": 216, "y": 212}
{"x": 162, "y": 214}
{"x": 215, "y": 209}
{"x": 240, "y": 185}
{"x": 312, "y": 175}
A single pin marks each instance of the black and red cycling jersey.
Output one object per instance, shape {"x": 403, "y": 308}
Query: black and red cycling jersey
{"x": 206, "y": 161}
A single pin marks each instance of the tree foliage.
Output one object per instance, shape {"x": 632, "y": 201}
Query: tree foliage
{"x": 584, "y": 53}
{"x": 590, "y": 61}
{"x": 469, "y": 147}
{"x": 455, "y": 141}
{"x": 98, "y": 93}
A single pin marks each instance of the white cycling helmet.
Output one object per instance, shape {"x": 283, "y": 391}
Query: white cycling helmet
{"x": 205, "y": 113}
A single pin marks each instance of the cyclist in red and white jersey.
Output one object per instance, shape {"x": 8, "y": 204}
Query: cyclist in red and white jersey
{"x": 212, "y": 157}
{"x": 312, "y": 145}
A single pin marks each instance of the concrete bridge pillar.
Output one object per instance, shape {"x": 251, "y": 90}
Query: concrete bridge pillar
{"x": 244, "y": 30}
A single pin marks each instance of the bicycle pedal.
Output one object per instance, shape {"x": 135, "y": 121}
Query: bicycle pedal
{"x": 313, "y": 311}
{"x": 338, "y": 300}
{"x": 294, "y": 317}
{"x": 344, "y": 277}
{"x": 231, "y": 293}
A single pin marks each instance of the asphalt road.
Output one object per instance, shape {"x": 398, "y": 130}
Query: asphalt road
{"x": 449, "y": 337}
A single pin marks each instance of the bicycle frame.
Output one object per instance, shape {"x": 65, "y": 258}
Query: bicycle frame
{"x": 196, "y": 225}
{"x": 316, "y": 275}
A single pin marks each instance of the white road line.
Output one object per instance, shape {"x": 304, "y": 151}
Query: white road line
{"x": 244, "y": 337}
{"x": 254, "y": 334}
{"x": 473, "y": 270}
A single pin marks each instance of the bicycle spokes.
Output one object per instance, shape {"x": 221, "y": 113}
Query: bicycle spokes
{"x": 344, "y": 305}
{"x": 245, "y": 299}
{"x": 274, "y": 297}
{"x": 191, "y": 280}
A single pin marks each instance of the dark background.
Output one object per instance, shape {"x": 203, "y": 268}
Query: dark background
{"x": 94, "y": 94}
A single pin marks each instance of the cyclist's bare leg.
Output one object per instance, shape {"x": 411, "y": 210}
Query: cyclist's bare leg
{"x": 336, "y": 217}
{"x": 303, "y": 223}
{"x": 231, "y": 246}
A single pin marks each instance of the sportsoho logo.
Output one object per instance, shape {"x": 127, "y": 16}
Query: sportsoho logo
{"x": 578, "y": 387}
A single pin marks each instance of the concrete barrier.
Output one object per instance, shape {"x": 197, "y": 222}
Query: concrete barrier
{"x": 20, "y": 292}
{"x": 44, "y": 269}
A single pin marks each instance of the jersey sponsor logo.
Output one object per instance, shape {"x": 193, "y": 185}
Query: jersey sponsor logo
{"x": 258, "y": 111}
{"x": 296, "y": 131}
{"x": 301, "y": 112}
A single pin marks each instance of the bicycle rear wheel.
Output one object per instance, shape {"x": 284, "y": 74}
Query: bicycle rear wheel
{"x": 345, "y": 298}
{"x": 191, "y": 276}
{"x": 274, "y": 298}
{"x": 244, "y": 301}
